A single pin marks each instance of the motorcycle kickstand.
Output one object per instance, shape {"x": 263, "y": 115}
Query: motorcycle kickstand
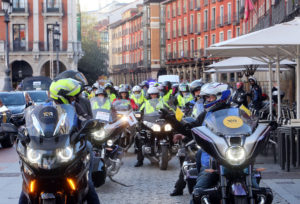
{"x": 117, "y": 182}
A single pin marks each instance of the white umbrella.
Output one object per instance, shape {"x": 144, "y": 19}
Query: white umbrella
{"x": 227, "y": 70}
{"x": 274, "y": 43}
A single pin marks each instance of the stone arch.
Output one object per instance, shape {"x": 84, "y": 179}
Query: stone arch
{"x": 45, "y": 68}
{"x": 20, "y": 69}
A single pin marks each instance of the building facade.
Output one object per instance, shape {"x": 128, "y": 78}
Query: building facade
{"x": 30, "y": 42}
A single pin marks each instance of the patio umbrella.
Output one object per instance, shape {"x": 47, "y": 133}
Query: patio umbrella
{"x": 231, "y": 70}
{"x": 274, "y": 44}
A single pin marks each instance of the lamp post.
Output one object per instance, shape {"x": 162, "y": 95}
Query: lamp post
{"x": 56, "y": 36}
{"x": 7, "y": 6}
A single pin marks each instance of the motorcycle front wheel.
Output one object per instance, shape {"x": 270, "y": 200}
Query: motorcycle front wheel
{"x": 240, "y": 200}
{"x": 164, "y": 160}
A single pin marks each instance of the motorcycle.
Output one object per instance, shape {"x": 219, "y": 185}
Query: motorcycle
{"x": 156, "y": 136}
{"x": 124, "y": 110}
{"x": 234, "y": 139}
{"x": 106, "y": 142}
{"x": 54, "y": 159}
{"x": 8, "y": 131}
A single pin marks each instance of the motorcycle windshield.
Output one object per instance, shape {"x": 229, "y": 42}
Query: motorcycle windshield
{"x": 49, "y": 120}
{"x": 121, "y": 105}
{"x": 152, "y": 117}
{"x": 99, "y": 113}
{"x": 232, "y": 121}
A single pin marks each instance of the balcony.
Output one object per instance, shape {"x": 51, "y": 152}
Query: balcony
{"x": 205, "y": 27}
{"x": 227, "y": 20}
{"x": 197, "y": 30}
{"x": 220, "y": 21}
{"x": 236, "y": 18}
{"x": 52, "y": 8}
{"x": 213, "y": 25}
{"x": 20, "y": 10}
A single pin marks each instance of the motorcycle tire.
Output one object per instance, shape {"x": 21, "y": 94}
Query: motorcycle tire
{"x": 49, "y": 202}
{"x": 240, "y": 200}
{"x": 8, "y": 142}
{"x": 164, "y": 160}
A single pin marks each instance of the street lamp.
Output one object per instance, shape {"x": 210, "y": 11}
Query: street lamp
{"x": 7, "y": 7}
{"x": 56, "y": 36}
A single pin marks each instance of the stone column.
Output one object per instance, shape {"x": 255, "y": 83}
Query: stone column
{"x": 35, "y": 26}
{"x": 191, "y": 73}
{"x": 184, "y": 73}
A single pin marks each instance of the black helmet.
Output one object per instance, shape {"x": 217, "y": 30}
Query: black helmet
{"x": 196, "y": 86}
{"x": 166, "y": 86}
{"x": 144, "y": 83}
{"x": 73, "y": 75}
{"x": 101, "y": 91}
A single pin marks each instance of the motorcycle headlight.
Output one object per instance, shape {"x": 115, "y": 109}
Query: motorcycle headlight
{"x": 124, "y": 118}
{"x": 236, "y": 155}
{"x": 99, "y": 135}
{"x": 110, "y": 143}
{"x": 33, "y": 155}
{"x": 156, "y": 128}
{"x": 65, "y": 154}
{"x": 168, "y": 127}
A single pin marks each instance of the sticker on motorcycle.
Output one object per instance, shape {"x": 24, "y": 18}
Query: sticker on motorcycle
{"x": 102, "y": 116}
{"x": 132, "y": 120}
{"x": 233, "y": 122}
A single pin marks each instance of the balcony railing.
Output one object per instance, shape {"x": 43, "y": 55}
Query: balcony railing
{"x": 220, "y": 21}
{"x": 227, "y": 20}
{"x": 213, "y": 24}
{"x": 205, "y": 26}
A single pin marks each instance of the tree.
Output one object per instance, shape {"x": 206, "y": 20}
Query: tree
{"x": 94, "y": 62}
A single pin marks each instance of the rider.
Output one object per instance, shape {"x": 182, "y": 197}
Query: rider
{"x": 137, "y": 96}
{"x": 184, "y": 96}
{"x": 124, "y": 95}
{"x": 102, "y": 98}
{"x": 240, "y": 96}
{"x": 66, "y": 91}
{"x": 167, "y": 91}
{"x": 109, "y": 89}
{"x": 144, "y": 86}
{"x": 154, "y": 103}
{"x": 255, "y": 94}
{"x": 195, "y": 88}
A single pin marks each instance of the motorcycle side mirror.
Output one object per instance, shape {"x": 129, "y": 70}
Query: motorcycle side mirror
{"x": 29, "y": 103}
{"x": 274, "y": 125}
{"x": 23, "y": 138}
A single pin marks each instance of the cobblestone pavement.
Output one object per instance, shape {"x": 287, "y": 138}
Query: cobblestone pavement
{"x": 148, "y": 185}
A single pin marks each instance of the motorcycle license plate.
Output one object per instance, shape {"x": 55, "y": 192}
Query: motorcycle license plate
{"x": 102, "y": 116}
{"x": 132, "y": 120}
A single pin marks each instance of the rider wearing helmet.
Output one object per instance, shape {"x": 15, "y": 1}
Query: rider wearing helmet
{"x": 102, "y": 101}
{"x": 66, "y": 91}
{"x": 144, "y": 86}
{"x": 167, "y": 91}
{"x": 124, "y": 95}
{"x": 78, "y": 76}
{"x": 184, "y": 96}
{"x": 240, "y": 96}
{"x": 137, "y": 96}
{"x": 154, "y": 103}
{"x": 175, "y": 89}
{"x": 109, "y": 89}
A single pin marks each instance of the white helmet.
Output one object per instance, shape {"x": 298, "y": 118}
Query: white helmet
{"x": 136, "y": 89}
{"x": 116, "y": 88}
{"x": 153, "y": 90}
{"x": 221, "y": 91}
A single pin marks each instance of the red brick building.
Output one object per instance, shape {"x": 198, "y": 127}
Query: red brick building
{"x": 192, "y": 26}
{"x": 31, "y": 22}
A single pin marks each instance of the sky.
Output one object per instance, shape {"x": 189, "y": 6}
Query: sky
{"x": 91, "y": 5}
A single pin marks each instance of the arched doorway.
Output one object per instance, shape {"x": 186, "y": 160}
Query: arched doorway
{"x": 45, "y": 71}
{"x": 20, "y": 70}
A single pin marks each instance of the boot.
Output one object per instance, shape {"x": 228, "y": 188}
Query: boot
{"x": 138, "y": 164}
{"x": 176, "y": 192}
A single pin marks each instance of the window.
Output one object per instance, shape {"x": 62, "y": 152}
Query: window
{"x": 18, "y": 5}
{"x": 180, "y": 48}
{"x": 199, "y": 43}
{"x": 205, "y": 20}
{"x": 198, "y": 23}
{"x": 192, "y": 46}
{"x": 206, "y": 41}
{"x": 185, "y": 48}
{"x": 192, "y": 23}
{"x": 169, "y": 30}
{"x": 198, "y": 4}
{"x": 179, "y": 7}
{"x": 50, "y": 28}
{"x": 19, "y": 39}
{"x": 221, "y": 36}
{"x": 237, "y": 10}
{"x": 169, "y": 49}
{"x": 174, "y": 10}
{"x": 174, "y": 50}
{"x": 213, "y": 38}
{"x": 185, "y": 26}
{"x": 52, "y": 5}
{"x": 229, "y": 13}
{"x": 213, "y": 18}
{"x": 174, "y": 29}
{"x": 191, "y": 4}
{"x": 179, "y": 27}
{"x": 184, "y": 6}
{"x": 168, "y": 12}
{"x": 229, "y": 35}
{"x": 221, "y": 15}
{"x": 237, "y": 31}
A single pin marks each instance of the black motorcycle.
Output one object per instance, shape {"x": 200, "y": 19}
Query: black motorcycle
{"x": 156, "y": 136}
{"x": 8, "y": 131}
{"x": 106, "y": 141}
{"x": 54, "y": 159}
{"x": 234, "y": 139}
